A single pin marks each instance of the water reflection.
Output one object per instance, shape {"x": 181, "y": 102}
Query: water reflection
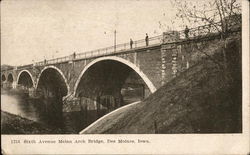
{"x": 39, "y": 110}
{"x": 19, "y": 106}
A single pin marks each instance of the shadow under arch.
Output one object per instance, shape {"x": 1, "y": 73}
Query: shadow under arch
{"x": 58, "y": 70}
{"x": 150, "y": 85}
{"x": 3, "y": 78}
{"x": 51, "y": 88}
{"x": 23, "y": 71}
{"x": 10, "y": 78}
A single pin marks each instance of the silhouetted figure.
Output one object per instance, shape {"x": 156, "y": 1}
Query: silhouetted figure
{"x": 45, "y": 61}
{"x": 186, "y": 31}
{"x": 131, "y": 43}
{"x": 74, "y": 55}
{"x": 146, "y": 39}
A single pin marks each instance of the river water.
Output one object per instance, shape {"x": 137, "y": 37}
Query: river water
{"x": 21, "y": 104}
{"x": 34, "y": 109}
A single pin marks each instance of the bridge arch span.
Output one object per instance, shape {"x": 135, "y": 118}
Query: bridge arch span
{"x": 150, "y": 85}
{"x": 3, "y": 77}
{"x": 58, "y": 71}
{"x": 10, "y": 78}
{"x": 27, "y": 74}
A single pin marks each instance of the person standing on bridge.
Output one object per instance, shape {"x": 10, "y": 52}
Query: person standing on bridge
{"x": 131, "y": 43}
{"x": 186, "y": 31}
{"x": 146, "y": 39}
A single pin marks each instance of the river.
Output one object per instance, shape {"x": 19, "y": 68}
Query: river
{"x": 34, "y": 109}
{"x": 19, "y": 106}
{"x": 46, "y": 112}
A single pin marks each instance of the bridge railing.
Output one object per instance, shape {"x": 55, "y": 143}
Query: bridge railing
{"x": 53, "y": 61}
{"x": 203, "y": 30}
{"x": 103, "y": 51}
{"x": 119, "y": 48}
{"x": 210, "y": 29}
{"x": 25, "y": 66}
{"x": 58, "y": 60}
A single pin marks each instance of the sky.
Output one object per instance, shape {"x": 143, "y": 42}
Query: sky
{"x": 32, "y": 30}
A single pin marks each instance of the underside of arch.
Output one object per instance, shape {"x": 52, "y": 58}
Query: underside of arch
{"x": 125, "y": 64}
{"x": 108, "y": 83}
{"x": 3, "y": 78}
{"x": 108, "y": 77}
{"x": 25, "y": 79}
{"x": 10, "y": 78}
{"x": 52, "y": 80}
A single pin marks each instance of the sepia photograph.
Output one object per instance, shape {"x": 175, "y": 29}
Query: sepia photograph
{"x": 134, "y": 67}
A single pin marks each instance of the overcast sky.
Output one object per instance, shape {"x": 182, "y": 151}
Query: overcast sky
{"x": 34, "y": 30}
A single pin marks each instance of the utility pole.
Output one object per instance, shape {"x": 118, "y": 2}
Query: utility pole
{"x": 115, "y": 41}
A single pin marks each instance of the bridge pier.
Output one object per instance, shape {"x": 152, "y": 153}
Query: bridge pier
{"x": 14, "y": 84}
{"x": 169, "y": 56}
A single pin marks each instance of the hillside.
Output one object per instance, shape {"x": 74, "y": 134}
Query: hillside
{"x": 199, "y": 100}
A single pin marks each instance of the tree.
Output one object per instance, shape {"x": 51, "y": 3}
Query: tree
{"x": 220, "y": 14}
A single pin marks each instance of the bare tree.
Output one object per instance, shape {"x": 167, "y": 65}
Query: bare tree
{"x": 220, "y": 14}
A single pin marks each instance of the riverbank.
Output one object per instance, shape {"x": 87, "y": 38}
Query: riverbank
{"x": 15, "y": 124}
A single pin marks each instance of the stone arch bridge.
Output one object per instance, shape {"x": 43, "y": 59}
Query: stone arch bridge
{"x": 111, "y": 77}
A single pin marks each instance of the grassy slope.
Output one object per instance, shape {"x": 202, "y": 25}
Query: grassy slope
{"x": 197, "y": 101}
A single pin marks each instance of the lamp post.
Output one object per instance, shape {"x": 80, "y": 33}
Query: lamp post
{"x": 115, "y": 32}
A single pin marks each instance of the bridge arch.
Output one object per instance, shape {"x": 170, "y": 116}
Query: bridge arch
{"x": 108, "y": 83}
{"x": 27, "y": 74}
{"x": 10, "y": 78}
{"x": 3, "y": 77}
{"x": 150, "y": 85}
{"x": 57, "y": 70}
